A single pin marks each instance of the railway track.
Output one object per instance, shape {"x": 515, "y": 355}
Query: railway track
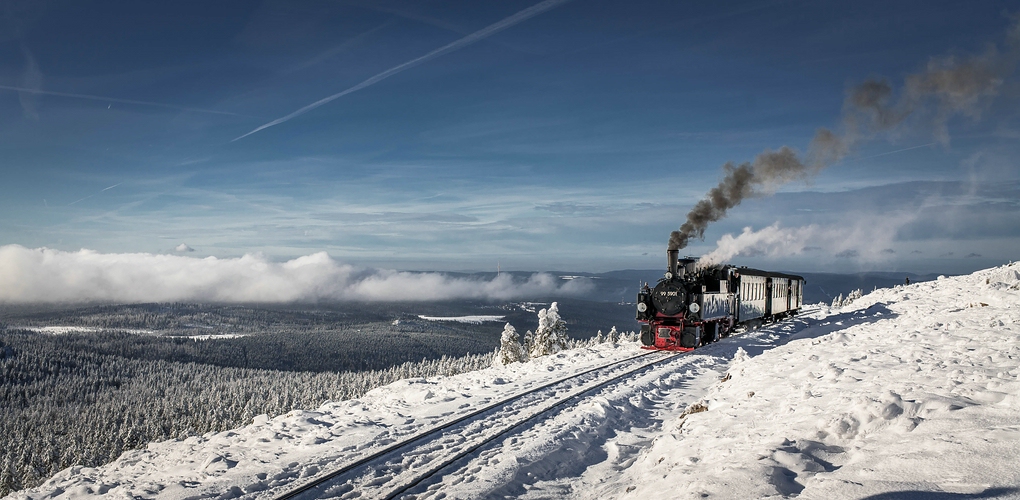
{"x": 398, "y": 468}
{"x": 401, "y": 466}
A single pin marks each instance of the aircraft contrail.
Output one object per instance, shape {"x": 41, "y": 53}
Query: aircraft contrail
{"x": 123, "y": 101}
{"x": 93, "y": 194}
{"x": 467, "y": 40}
{"x": 899, "y": 150}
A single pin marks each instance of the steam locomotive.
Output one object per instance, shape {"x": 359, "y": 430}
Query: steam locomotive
{"x": 692, "y": 306}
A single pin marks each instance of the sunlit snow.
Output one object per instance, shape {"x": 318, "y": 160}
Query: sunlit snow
{"x": 477, "y": 320}
{"x": 903, "y": 393}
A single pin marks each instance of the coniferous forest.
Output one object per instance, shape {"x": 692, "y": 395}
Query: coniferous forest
{"x": 62, "y": 404}
{"x": 129, "y": 375}
{"x": 80, "y": 385}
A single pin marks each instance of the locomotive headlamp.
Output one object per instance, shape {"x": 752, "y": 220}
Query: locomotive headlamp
{"x": 694, "y": 307}
{"x": 669, "y": 275}
{"x": 642, "y": 307}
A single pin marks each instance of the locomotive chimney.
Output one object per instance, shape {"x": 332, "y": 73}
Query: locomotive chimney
{"x": 671, "y": 260}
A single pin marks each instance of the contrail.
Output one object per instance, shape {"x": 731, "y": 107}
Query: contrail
{"x": 93, "y": 194}
{"x": 463, "y": 42}
{"x": 899, "y": 150}
{"x": 123, "y": 101}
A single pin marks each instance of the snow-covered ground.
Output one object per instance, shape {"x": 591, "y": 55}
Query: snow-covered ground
{"x": 62, "y": 330}
{"x": 476, "y": 319}
{"x": 910, "y": 392}
{"x": 220, "y": 336}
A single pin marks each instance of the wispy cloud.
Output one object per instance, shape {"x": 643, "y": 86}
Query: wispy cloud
{"x": 479, "y": 35}
{"x": 46, "y": 276}
{"x": 25, "y": 90}
{"x": 31, "y": 79}
{"x": 338, "y": 49}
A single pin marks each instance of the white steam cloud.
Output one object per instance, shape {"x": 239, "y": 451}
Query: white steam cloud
{"x": 44, "y": 275}
{"x": 865, "y": 241}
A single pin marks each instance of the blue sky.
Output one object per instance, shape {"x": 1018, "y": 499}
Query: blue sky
{"x": 575, "y": 139}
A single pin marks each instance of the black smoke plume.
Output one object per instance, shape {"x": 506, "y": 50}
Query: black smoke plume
{"x": 948, "y": 86}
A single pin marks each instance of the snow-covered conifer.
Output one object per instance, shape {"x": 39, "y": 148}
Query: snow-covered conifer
{"x": 510, "y": 348}
{"x": 599, "y": 338}
{"x": 614, "y": 336}
{"x": 550, "y": 337}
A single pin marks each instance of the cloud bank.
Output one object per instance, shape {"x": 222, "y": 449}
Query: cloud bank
{"x": 43, "y": 275}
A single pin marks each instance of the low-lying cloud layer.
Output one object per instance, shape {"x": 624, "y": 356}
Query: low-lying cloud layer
{"x": 44, "y": 275}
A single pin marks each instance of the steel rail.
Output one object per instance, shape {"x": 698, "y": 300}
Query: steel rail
{"x": 319, "y": 480}
{"x": 530, "y": 418}
{"x": 422, "y": 435}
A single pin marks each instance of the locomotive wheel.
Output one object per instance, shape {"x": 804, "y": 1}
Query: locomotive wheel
{"x": 647, "y": 336}
{"x": 710, "y": 333}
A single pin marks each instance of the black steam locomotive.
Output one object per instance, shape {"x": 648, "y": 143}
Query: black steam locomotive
{"x": 692, "y": 306}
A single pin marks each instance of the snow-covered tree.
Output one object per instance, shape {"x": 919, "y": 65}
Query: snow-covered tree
{"x": 840, "y": 301}
{"x": 551, "y": 335}
{"x": 614, "y": 336}
{"x": 598, "y": 338}
{"x": 529, "y": 341}
{"x": 510, "y": 348}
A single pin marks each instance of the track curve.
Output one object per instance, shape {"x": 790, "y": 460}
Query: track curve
{"x": 408, "y": 457}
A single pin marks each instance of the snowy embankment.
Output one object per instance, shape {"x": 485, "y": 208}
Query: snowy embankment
{"x": 912, "y": 390}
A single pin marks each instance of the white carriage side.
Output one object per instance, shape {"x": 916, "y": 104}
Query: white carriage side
{"x": 751, "y": 298}
{"x": 780, "y": 302}
{"x": 716, "y": 306}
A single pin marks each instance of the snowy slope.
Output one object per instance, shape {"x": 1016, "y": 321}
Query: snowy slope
{"x": 907, "y": 392}
{"x": 912, "y": 390}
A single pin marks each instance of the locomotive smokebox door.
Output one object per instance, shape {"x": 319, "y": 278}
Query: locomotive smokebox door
{"x": 668, "y": 297}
